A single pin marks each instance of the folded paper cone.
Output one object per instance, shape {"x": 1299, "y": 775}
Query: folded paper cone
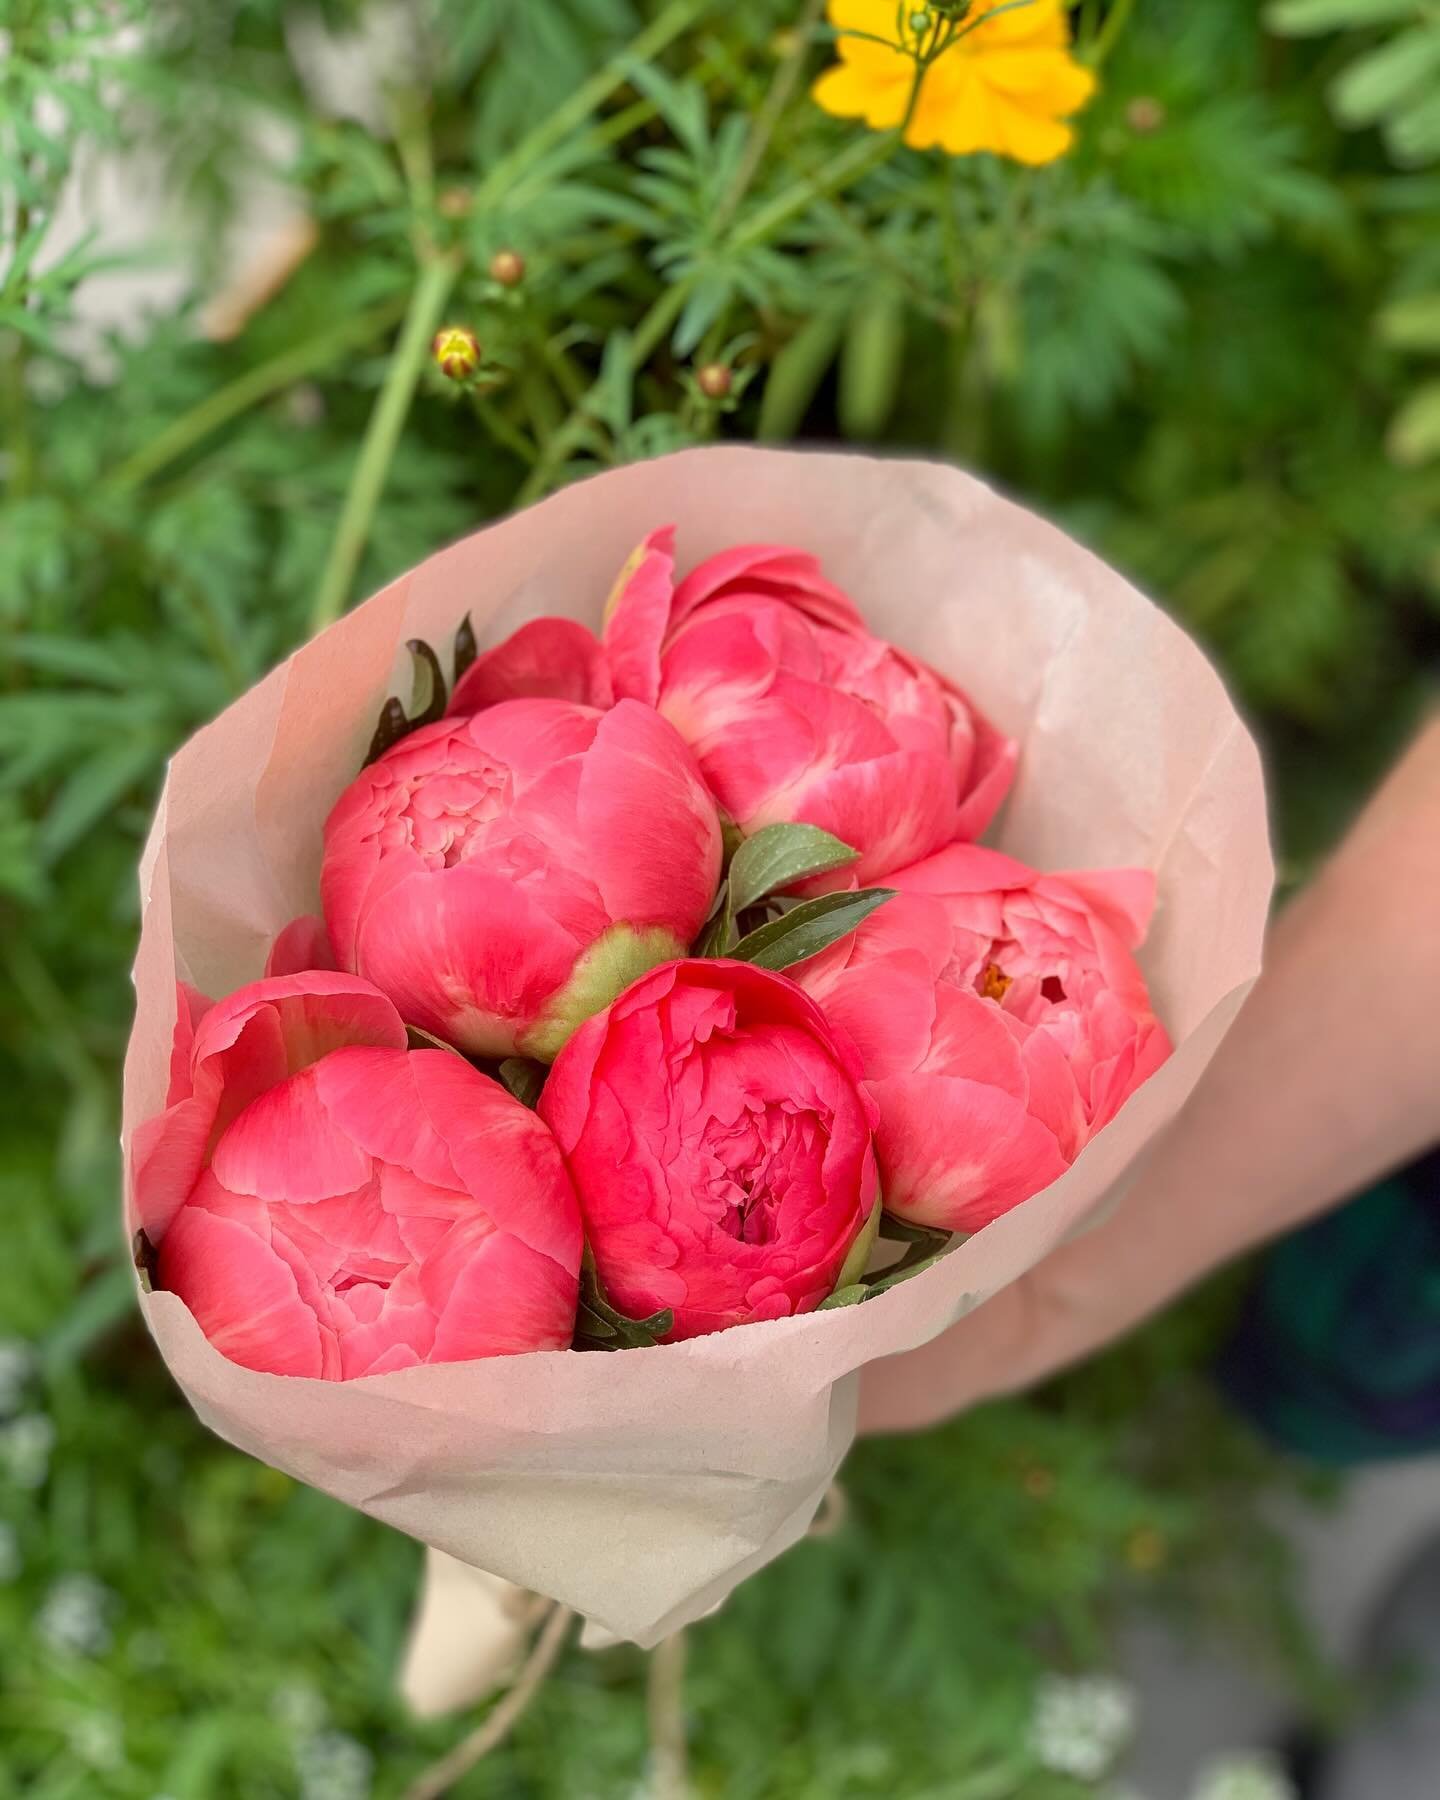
{"x": 640, "y": 1488}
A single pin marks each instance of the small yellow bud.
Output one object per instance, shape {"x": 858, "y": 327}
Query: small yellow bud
{"x": 1145, "y": 114}
{"x": 715, "y": 381}
{"x": 507, "y": 267}
{"x": 454, "y": 202}
{"x": 456, "y": 350}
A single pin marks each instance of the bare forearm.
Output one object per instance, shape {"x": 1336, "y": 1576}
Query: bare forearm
{"x": 1332, "y": 1072}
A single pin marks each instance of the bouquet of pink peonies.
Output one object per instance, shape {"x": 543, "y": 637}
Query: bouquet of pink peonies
{"x": 642, "y": 987}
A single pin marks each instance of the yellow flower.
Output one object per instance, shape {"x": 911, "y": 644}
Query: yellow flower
{"x": 1006, "y": 85}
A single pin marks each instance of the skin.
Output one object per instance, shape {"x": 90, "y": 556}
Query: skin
{"x": 1330, "y": 1077}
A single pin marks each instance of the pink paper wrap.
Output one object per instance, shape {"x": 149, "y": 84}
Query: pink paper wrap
{"x": 641, "y": 1487}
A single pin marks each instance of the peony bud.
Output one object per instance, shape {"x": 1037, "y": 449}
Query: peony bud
{"x": 456, "y": 350}
{"x": 508, "y": 268}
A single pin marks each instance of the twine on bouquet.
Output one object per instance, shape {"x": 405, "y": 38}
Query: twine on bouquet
{"x": 664, "y": 1697}
{"x": 440, "y": 1777}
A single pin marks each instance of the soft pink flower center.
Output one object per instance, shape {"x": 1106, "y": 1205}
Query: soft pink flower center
{"x": 744, "y": 1170}
{"x": 443, "y": 816}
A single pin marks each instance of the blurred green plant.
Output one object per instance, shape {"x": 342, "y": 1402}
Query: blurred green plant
{"x": 1188, "y": 340}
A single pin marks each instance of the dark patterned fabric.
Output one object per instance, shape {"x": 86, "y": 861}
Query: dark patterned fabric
{"x": 1337, "y": 1355}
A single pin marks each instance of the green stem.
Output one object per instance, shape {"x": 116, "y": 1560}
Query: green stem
{"x": 382, "y": 435}
{"x": 249, "y": 390}
{"x": 1110, "y": 32}
{"x": 678, "y": 17}
{"x": 771, "y": 111}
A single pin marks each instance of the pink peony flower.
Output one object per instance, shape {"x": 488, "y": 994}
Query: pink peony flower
{"x": 503, "y": 876}
{"x": 719, "y": 1140}
{"x": 336, "y": 1212}
{"x": 1001, "y": 1020}
{"x": 796, "y": 713}
{"x": 226, "y": 1055}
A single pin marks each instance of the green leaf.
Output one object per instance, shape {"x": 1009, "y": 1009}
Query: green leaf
{"x": 795, "y": 377}
{"x": 806, "y": 930}
{"x": 1304, "y": 18}
{"x": 524, "y": 1079}
{"x": 1414, "y": 435}
{"x": 1387, "y": 76}
{"x": 601, "y": 1327}
{"x": 871, "y": 362}
{"x": 91, "y": 794}
{"x": 1411, "y": 323}
{"x": 779, "y": 856}
{"x": 846, "y": 1296}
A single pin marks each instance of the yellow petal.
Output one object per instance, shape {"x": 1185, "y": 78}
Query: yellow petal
{"x": 1029, "y": 138}
{"x": 877, "y": 16}
{"x": 846, "y": 92}
{"x": 1046, "y": 80}
{"x": 1043, "y": 22}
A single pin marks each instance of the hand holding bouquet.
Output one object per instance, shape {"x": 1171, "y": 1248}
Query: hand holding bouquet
{"x": 660, "y": 1000}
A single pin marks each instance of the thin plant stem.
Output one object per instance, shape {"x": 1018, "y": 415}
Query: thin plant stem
{"x": 1111, "y": 31}
{"x": 771, "y": 112}
{"x": 382, "y": 435}
{"x": 250, "y": 389}
{"x": 442, "y": 1776}
{"x": 665, "y": 1707}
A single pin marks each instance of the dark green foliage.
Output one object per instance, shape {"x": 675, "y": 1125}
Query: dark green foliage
{"x": 1206, "y": 341}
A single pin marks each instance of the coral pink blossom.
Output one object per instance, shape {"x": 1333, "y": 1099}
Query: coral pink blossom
{"x": 796, "y": 713}
{"x": 503, "y": 876}
{"x": 552, "y": 659}
{"x": 379, "y": 1209}
{"x": 1002, "y": 1021}
{"x": 227, "y": 1055}
{"x": 719, "y": 1139}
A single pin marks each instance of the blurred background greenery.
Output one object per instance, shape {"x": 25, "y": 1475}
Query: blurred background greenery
{"x": 1207, "y": 340}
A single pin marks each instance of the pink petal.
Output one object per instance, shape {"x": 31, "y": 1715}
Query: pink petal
{"x": 304, "y": 944}
{"x": 498, "y": 1297}
{"x": 167, "y": 1155}
{"x": 241, "y": 1293}
{"x": 637, "y": 617}
{"x": 956, "y": 1154}
{"x": 286, "y": 1145}
{"x": 649, "y": 834}
{"x": 992, "y": 774}
{"x": 893, "y": 810}
{"x": 1123, "y": 898}
{"x": 772, "y": 571}
{"x": 548, "y": 658}
{"x": 374, "y": 1097}
{"x": 963, "y": 869}
{"x": 473, "y": 957}
{"x": 191, "y": 1007}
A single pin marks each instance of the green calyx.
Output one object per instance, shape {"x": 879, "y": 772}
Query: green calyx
{"x": 601, "y": 975}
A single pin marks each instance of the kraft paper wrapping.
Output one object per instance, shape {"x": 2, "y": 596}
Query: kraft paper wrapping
{"x": 640, "y": 1488}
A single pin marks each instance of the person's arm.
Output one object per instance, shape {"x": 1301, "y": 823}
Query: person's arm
{"x": 1330, "y": 1077}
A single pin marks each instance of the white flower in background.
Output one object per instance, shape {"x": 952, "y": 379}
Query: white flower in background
{"x": 74, "y": 1618}
{"x": 11, "y": 1561}
{"x": 333, "y": 1766}
{"x": 98, "y": 1739}
{"x": 1081, "y": 1725}
{"x": 25, "y": 1446}
{"x": 300, "y": 1708}
{"x": 17, "y": 1365}
{"x": 1245, "y": 1778}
